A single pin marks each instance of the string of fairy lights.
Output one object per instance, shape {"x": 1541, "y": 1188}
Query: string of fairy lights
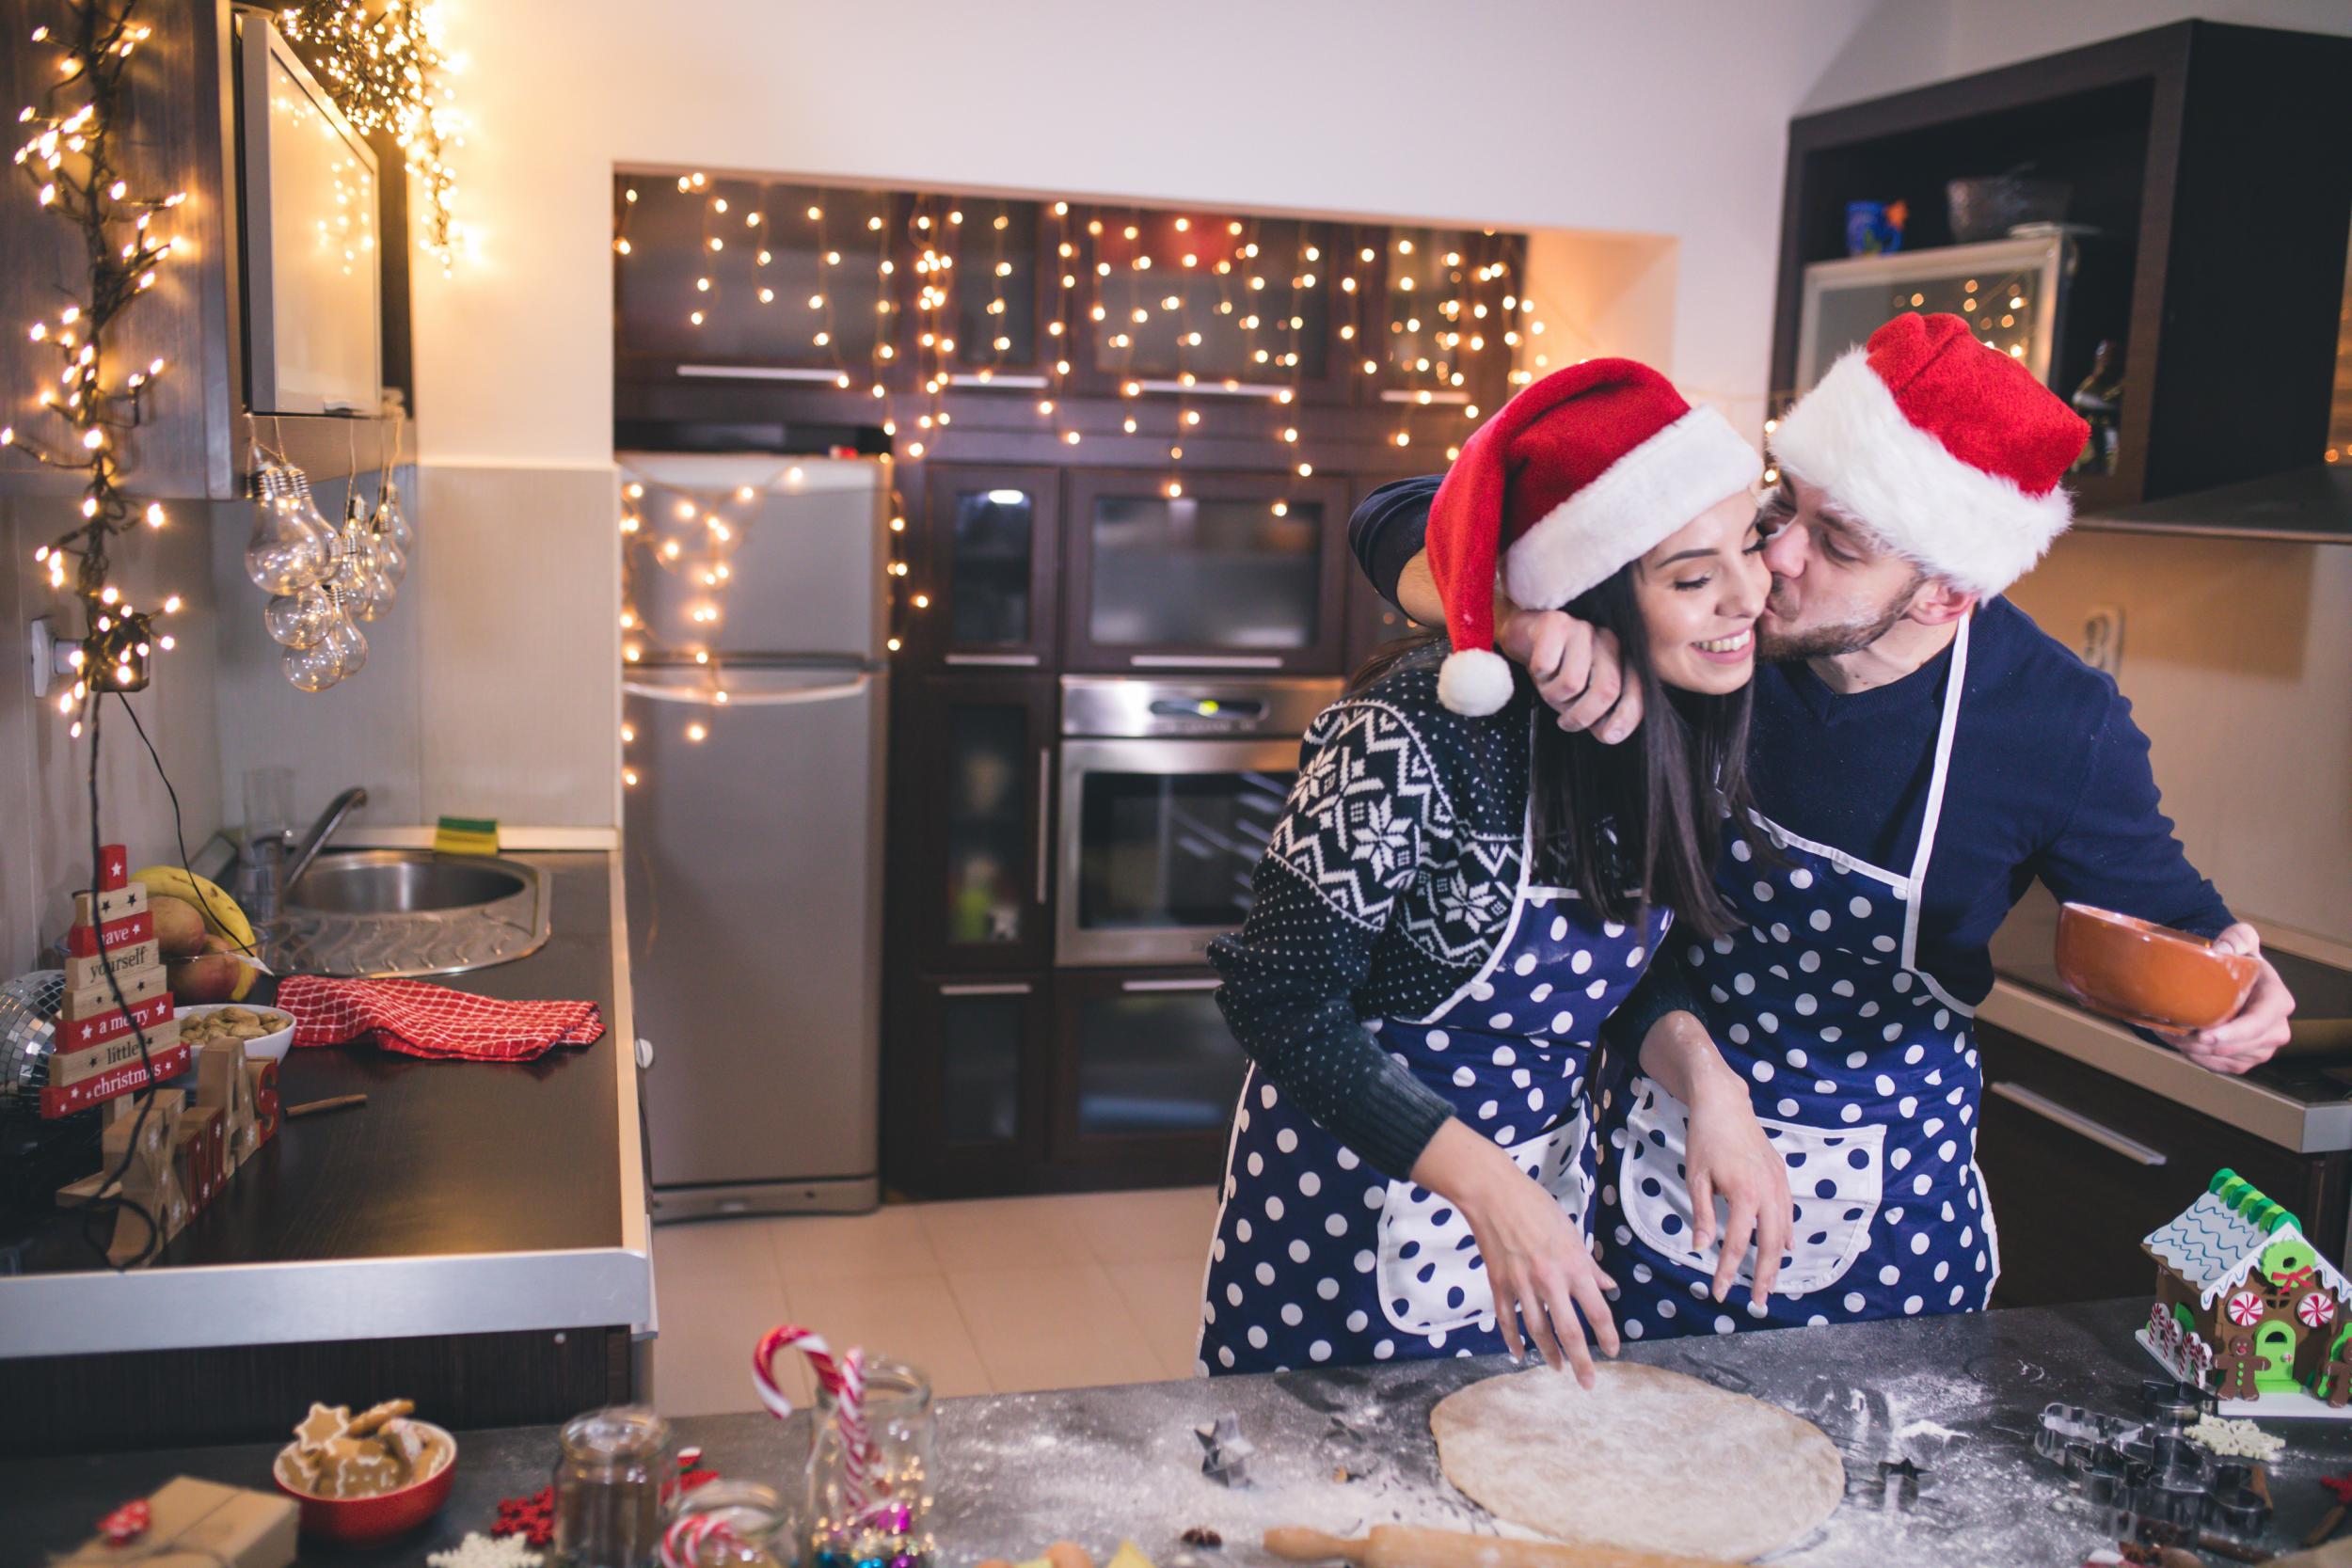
{"x": 72, "y": 159}
{"x": 386, "y": 63}
{"x": 1185, "y": 317}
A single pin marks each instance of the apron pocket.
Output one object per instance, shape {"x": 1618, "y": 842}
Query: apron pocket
{"x": 1426, "y": 1275}
{"x": 1835, "y": 1177}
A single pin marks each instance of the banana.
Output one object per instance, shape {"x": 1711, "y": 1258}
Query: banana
{"x": 221, "y": 913}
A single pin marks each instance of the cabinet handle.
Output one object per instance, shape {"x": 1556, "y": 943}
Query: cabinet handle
{"x": 1015, "y": 661}
{"x": 1044, "y": 819}
{"x": 1008, "y": 987}
{"x": 1210, "y": 983}
{"x": 2074, "y": 1122}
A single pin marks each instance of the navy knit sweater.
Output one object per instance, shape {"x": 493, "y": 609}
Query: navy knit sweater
{"x": 2049, "y": 775}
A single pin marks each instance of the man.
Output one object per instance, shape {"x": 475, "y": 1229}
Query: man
{"x": 1920, "y": 753}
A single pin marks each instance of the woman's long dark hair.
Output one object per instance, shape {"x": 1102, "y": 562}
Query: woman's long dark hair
{"x": 1639, "y": 823}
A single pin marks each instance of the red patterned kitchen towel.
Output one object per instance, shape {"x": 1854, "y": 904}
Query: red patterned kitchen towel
{"x": 423, "y": 1019}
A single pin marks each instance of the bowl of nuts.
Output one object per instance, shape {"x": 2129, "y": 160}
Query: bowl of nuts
{"x": 265, "y": 1031}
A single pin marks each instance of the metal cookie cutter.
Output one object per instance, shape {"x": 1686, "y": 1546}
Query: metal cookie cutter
{"x": 1225, "y": 1453}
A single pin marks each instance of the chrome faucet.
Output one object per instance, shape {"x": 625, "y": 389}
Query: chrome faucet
{"x": 302, "y": 854}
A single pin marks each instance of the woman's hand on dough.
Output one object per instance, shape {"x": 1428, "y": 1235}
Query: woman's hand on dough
{"x": 1542, "y": 1274}
{"x": 1726, "y": 1155}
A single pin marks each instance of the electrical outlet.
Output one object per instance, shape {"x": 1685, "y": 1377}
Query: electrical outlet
{"x": 2103, "y": 638}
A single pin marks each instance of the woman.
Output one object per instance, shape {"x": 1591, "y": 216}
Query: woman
{"x": 1457, "y": 894}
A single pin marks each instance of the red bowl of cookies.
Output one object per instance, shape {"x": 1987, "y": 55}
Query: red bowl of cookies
{"x": 2149, "y": 975}
{"x": 365, "y": 1479}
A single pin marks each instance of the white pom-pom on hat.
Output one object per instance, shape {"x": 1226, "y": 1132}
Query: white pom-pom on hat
{"x": 1474, "y": 681}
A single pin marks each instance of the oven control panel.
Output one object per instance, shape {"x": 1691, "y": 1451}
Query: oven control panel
{"x": 1139, "y": 705}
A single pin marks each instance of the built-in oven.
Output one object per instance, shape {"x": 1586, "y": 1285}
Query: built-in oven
{"x": 1169, "y": 789}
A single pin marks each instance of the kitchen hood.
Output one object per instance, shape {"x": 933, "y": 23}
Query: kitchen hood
{"x": 2310, "y": 506}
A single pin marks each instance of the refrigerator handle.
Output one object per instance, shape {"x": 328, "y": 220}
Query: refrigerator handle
{"x": 1044, "y": 819}
{"x": 702, "y": 697}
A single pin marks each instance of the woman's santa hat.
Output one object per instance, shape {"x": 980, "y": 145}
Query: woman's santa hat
{"x": 1948, "y": 449}
{"x": 1583, "y": 472}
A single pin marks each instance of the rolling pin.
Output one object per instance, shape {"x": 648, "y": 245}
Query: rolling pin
{"x": 1413, "y": 1547}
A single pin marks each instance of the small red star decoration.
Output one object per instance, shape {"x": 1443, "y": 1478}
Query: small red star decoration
{"x": 531, "y": 1518}
{"x": 2341, "y": 1485}
{"x": 128, "y": 1523}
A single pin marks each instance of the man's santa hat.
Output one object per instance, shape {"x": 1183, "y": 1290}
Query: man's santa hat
{"x": 1949, "y": 450}
{"x": 1581, "y": 474}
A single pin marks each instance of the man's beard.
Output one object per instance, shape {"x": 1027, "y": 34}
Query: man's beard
{"x": 1845, "y": 638}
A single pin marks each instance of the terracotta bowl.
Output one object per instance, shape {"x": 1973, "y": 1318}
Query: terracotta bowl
{"x": 366, "y": 1521}
{"x": 2148, "y": 975}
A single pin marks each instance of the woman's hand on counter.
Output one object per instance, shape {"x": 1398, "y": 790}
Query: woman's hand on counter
{"x": 1725, "y": 1154}
{"x": 1542, "y": 1274}
{"x": 2260, "y": 1028}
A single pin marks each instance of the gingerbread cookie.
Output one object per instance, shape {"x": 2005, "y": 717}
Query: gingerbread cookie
{"x": 372, "y": 1417}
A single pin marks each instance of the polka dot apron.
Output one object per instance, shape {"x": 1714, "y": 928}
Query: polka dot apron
{"x": 1863, "y": 1071}
{"x": 1318, "y": 1259}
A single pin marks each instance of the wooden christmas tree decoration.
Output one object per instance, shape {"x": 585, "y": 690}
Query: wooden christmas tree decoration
{"x": 2246, "y": 1307}
{"x": 117, "y": 1024}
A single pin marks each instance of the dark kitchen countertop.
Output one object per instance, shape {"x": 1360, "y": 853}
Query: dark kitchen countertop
{"x": 449, "y": 1160}
{"x": 1958, "y": 1396}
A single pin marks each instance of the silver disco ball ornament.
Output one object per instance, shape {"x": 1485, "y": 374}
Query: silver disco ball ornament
{"x": 28, "y": 1031}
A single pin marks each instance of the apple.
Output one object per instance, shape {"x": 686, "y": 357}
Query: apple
{"x": 179, "y": 926}
{"x": 211, "y": 975}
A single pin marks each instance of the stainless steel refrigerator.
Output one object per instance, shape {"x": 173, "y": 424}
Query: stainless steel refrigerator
{"x": 753, "y": 828}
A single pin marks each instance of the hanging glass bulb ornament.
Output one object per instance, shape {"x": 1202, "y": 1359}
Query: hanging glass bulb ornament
{"x": 298, "y": 620}
{"x": 345, "y": 638}
{"x": 392, "y": 520}
{"x": 314, "y": 668}
{"x": 366, "y": 591}
{"x": 391, "y": 558}
{"x": 286, "y": 550}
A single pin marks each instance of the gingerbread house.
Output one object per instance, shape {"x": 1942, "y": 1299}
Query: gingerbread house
{"x": 2244, "y": 1304}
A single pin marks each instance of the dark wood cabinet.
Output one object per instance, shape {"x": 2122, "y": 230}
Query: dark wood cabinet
{"x": 2207, "y": 161}
{"x": 2080, "y": 1164}
{"x": 1207, "y": 571}
{"x": 970, "y": 840}
{"x": 990, "y": 547}
{"x": 970, "y": 1091}
{"x": 1145, "y": 1076}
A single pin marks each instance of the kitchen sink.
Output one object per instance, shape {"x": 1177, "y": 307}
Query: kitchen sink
{"x": 397, "y": 881}
{"x": 383, "y": 914}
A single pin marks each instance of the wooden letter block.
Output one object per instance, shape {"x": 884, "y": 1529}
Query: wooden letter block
{"x": 108, "y": 905}
{"x": 261, "y": 1076}
{"x": 97, "y": 999}
{"x": 221, "y": 1085}
{"x": 123, "y": 1050}
{"x": 112, "y": 1083}
{"x": 196, "y": 1147}
{"x": 81, "y": 973}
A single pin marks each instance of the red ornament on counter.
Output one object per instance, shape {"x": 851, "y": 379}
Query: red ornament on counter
{"x": 128, "y": 1522}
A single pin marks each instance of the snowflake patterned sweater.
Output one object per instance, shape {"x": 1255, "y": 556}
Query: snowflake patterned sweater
{"x": 1384, "y": 889}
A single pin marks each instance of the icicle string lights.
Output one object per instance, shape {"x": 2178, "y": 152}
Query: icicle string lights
{"x": 71, "y": 160}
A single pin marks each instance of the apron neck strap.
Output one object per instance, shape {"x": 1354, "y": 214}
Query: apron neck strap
{"x": 1954, "y": 680}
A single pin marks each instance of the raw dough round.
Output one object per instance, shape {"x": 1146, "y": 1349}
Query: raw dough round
{"x": 1649, "y": 1459}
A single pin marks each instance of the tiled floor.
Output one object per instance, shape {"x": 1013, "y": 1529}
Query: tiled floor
{"x": 992, "y": 1295}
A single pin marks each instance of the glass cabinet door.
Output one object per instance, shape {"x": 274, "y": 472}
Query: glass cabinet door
{"x": 1218, "y": 571}
{"x": 972, "y": 814}
{"x": 990, "y": 547}
{"x": 967, "y": 1105}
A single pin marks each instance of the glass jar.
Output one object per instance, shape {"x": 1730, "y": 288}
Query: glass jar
{"x": 882, "y": 1517}
{"x": 750, "y": 1526}
{"x": 609, "y": 1508}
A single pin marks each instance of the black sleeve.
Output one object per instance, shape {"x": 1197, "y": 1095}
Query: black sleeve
{"x": 1351, "y": 839}
{"x": 1386, "y": 531}
{"x": 1664, "y": 988}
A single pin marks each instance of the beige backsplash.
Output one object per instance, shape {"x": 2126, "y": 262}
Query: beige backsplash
{"x": 2237, "y": 658}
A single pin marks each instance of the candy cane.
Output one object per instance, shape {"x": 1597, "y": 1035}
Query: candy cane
{"x": 843, "y": 1378}
{"x": 683, "y": 1543}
